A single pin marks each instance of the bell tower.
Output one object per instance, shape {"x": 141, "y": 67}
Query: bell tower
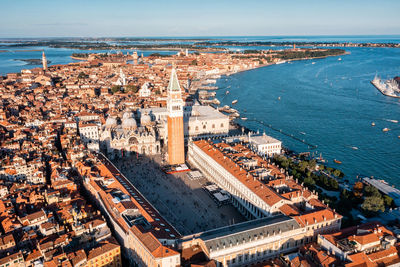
{"x": 176, "y": 140}
{"x": 44, "y": 61}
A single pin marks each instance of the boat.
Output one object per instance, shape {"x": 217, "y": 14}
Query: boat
{"x": 313, "y": 63}
{"x": 244, "y": 118}
{"x": 280, "y": 62}
{"x": 227, "y": 92}
{"x": 394, "y": 121}
{"x": 216, "y": 101}
{"x": 303, "y": 133}
{"x": 279, "y": 98}
{"x": 385, "y": 130}
{"x": 337, "y": 161}
{"x": 235, "y": 114}
{"x": 373, "y": 124}
{"x": 320, "y": 159}
{"x": 339, "y": 59}
{"x": 354, "y": 147}
{"x": 234, "y": 102}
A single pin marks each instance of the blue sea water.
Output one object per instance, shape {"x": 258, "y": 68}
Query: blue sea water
{"x": 329, "y": 104}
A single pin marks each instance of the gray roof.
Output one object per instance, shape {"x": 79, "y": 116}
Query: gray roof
{"x": 247, "y": 231}
{"x": 196, "y": 112}
{"x": 263, "y": 139}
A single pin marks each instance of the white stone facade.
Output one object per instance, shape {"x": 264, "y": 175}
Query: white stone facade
{"x": 199, "y": 121}
{"x": 127, "y": 137}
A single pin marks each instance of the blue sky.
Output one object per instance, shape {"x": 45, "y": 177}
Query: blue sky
{"x": 56, "y": 18}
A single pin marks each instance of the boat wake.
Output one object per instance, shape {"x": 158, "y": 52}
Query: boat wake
{"x": 394, "y": 121}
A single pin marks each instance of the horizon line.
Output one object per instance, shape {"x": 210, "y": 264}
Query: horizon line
{"x": 206, "y": 36}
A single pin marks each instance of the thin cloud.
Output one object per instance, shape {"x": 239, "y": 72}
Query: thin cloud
{"x": 61, "y": 24}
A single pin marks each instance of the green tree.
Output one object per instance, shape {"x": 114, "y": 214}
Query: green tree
{"x": 115, "y": 88}
{"x": 309, "y": 181}
{"x": 388, "y": 201}
{"x": 132, "y": 88}
{"x": 371, "y": 191}
{"x": 336, "y": 172}
{"x": 312, "y": 164}
{"x": 303, "y": 166}
{"x": 373, "y": 204}
{"x": 82, "y": 75}
{"x": 333, "y": 184}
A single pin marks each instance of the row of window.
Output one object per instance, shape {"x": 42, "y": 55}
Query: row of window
{"x": 231, "y": 188}
{"x": 205, "y": 127}
{"x": 252, "y": 256}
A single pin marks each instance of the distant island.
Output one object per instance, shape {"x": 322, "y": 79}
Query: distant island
{"x": 204, "y": 45}
{"x": 269, "y": 43}
{"x": 288, "y": 54}
{"x": 83, "y": 45}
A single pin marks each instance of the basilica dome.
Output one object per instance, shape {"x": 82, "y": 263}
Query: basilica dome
{"x": 127, "y": 115}
{"x": 129, "y": 123}
{"x": 111, "y": 122}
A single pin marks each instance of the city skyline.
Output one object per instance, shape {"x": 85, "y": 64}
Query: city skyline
{"x": 179, "y": 18}
{"x": 208, "y": 134}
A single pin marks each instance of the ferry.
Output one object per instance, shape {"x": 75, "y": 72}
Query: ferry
{"x": 385, "y": 130}
{"x": 234, "y": 102}
{"x": 337, "y": 161}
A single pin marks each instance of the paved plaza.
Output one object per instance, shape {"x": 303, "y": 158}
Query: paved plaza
{"x": 180, "y": 200}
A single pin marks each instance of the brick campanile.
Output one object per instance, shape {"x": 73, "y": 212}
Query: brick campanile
{"x": 176, "y": 141}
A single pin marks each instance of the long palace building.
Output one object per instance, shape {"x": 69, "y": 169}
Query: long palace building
{"x": 261, "y": 191}
{"x": 146, "y": 237}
